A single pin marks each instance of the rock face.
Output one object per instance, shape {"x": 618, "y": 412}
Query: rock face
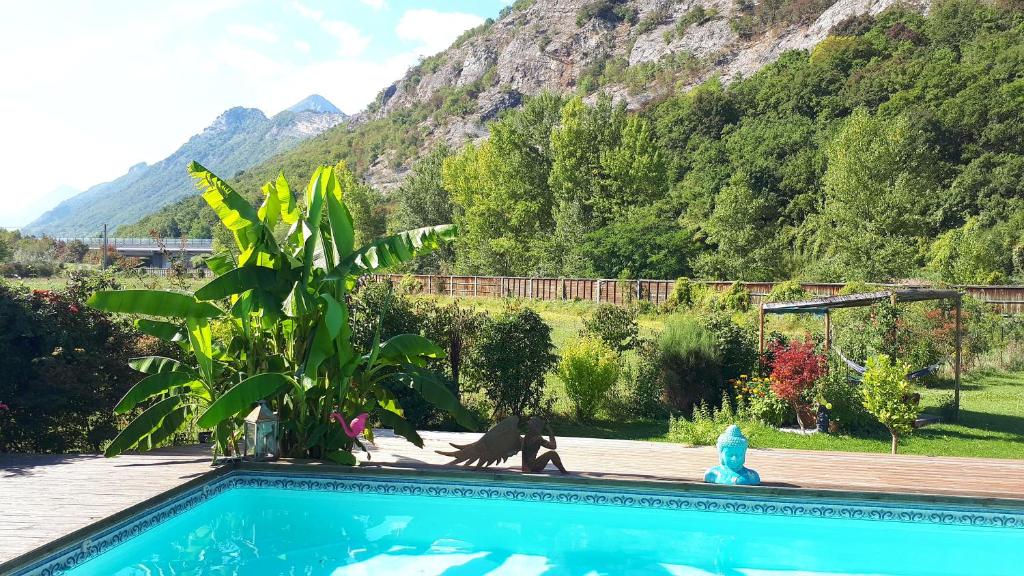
{"x": 546, "y": 45}
{"x": 235, "y": 140}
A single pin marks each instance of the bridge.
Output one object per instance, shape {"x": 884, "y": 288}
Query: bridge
{"x": 150, "y": 249}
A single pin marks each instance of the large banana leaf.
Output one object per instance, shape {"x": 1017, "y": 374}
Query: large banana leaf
{"x": 342, "y": 229}
{"x": 393, "y": 250}
{"x": 408, "y": 349}
{"x": 437, "y": 390}
{"x": 201, "y": 338}
{"x": 140, "y": 429}
{"x": 401, "y": 426}
{"x": 150, "y": 386}
{"x": 168, "y": 427}
{"x": 153, "y": 303}
{"x": 156, "y": 364}
{"x": 234, "y": 211}
{"x": 166, "y": 331}
{"x": 242, "y": 396}
{"x": 237, "y": 281}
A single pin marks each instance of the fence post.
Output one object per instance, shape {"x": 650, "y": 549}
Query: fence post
{"x": 638, "y": 290}
{"x": 476, "y": 286}
{"x": 599, "y": 282}
{"x": 451, "y": 285}
{"x": 529, "y": 288}
{"x": 430, "y": 284}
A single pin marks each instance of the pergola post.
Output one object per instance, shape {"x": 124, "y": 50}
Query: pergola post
{"x": 828, "y": 330}
{"x": 760, "y": 331}
{"x": 956, "y": 366}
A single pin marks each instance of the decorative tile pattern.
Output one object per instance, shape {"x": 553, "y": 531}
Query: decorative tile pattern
{"x": 698, "y": 501}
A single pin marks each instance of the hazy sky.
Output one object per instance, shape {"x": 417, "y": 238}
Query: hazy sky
{"x": 90, "y": 88}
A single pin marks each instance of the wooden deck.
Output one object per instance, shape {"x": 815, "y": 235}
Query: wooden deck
{"x": 45, "y": 497}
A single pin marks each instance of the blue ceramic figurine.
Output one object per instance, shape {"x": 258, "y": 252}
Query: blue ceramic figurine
{"x": 732, "y": 453}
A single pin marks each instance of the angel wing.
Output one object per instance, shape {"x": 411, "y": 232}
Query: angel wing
{"x": 498, "y": 444}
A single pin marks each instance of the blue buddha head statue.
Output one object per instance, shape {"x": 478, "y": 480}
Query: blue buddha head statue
{"x": 732, "y": 448}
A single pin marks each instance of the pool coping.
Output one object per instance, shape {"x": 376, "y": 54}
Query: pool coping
{"x": 95, "y": 538}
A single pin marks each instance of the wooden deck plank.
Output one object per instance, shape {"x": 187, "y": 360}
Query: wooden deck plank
{"x": 45, "y": 496}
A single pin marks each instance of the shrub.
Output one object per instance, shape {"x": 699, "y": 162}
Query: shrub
{"x": 641, "y": 386}
{"x": 589, "y": 368}
{"x": 64, "y": 368}
{"x": 847, "y": 407}
{"x": 610, "y": 11}
{"x": 708, "y": 423}
{"x": 788, "y": 291}
{"x": 378, "y": 304}
{"x": 889, "y": 396}
{"x": 795, "y": 369}
{"x": 690, "y": 364}
{"x": 512, "y": 354}
{"x": 757, "y": 401}
{"x": 614, "y": 325}
{"x": 736, "y": 298}
{"x": 681, "y": 295}
{"x": 736, "y": 345}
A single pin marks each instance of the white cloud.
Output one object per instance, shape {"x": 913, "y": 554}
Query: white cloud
{"x": 434, "y": 30}
{"x": 301, "y": 46}
{"x": 351, "y": 41}
{"x": 375, "y": 4}
{"x": 253, "y": 33}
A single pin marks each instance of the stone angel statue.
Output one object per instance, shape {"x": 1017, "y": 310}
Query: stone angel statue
{"x": 503, "y": 441}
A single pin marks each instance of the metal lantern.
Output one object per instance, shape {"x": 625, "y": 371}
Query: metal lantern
{"x": 261, "y": 434}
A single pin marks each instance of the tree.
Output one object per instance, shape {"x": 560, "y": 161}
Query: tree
{"x": 589, "y": 369}
{"x": 795, "y": 368}
{"x": 423, "y": 200}
{"x": 880, "y": 179}
{"x": 747, "y": 243}
{"x": 888, "y": 395}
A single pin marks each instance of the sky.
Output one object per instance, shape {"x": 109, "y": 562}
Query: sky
{"x": 89, "y": 88}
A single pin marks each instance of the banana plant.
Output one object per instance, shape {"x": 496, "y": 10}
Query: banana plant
{"x": 280, "y": 309}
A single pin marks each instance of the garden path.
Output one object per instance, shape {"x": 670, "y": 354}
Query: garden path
{"x": 43, "y": 497}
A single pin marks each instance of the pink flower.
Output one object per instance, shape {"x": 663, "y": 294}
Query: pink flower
{"x": 4, "y": 406}
{"x": 356, "y": 427}
{"x": 73, "y": 309}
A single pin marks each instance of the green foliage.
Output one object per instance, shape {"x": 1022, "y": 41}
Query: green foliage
{"x": 708, "y": 422}
{"x": 889, "y": 396}
{"x": 64, "y": 368}
{"x": 639, "y": 392}
{"x": 423, "y": 200}
{"x": 691, "y": 364}
{"x": 788, "y": 291}
{"x": 589, "y": 368}
{"x": 286, "y": 334}
{"x": 616, "y": 326}
{"x": 609, "y": 11}
{"x": 756, "y": 400}
{"x": 512, "y": 355}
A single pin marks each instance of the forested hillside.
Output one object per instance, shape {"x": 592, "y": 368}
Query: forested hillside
{"x": 892, "y": 149}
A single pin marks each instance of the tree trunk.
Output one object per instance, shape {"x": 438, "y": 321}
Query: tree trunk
{"x": 895, "y": 440}
{"x": 799, "y": 421}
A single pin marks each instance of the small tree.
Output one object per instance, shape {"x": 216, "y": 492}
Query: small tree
{"x": 589, "y": 368}
{"x": 795, "y": 368}
{"x": 889, "y": 396}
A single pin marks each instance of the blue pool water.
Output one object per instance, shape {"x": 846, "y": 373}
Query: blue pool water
{"x": 271, "y": 531}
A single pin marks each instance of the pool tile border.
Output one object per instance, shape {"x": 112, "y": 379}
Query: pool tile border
{"x": 695, "y": 499}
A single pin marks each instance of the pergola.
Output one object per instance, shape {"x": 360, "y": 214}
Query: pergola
{"x": 826, "y": 304}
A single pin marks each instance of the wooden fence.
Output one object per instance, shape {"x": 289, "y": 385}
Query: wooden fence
{"x": 1005, "y": 299}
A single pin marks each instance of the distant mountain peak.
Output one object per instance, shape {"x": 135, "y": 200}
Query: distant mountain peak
{"x": 315, "y": 103}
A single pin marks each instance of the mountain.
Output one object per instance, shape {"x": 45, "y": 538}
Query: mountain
{"x": 237, "y": 139}
{"x": 638, "y": 52}
{"x": 315, "y": 103}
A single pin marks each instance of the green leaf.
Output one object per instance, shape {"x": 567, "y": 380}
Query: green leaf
{"x": 166, "y": 331}
{"x": 201, "y": 338}
{"x": 315, "y": 197}
{"x": 393, "y": 250}
{"x": 342, "y": 229}
{"x": 341, "y": 457}
{"x": 401, "y": 426}
{"x": 170, "y": 425}
{"x": 144, "y": 425}
{"x": 153, "y": 303}
{"x": 242, "y": 396}
{"x": 234, "y": 211}
{"x": 159, "y": 383}
{"x": 437, "y": 390}
{"x": 408, "y": 349}
{"x": 237, "y": 281}
{"x": 156, "y": 364}
{"x": 220, "y": 263}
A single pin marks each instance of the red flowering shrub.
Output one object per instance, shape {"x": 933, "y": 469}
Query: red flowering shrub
{"x": 795, "y": 368}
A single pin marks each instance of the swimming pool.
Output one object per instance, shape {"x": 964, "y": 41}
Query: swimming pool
{"x": 262, "y": 523}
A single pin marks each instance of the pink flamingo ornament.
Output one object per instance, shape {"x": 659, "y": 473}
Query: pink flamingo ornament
{"x": 355, "y": 428}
